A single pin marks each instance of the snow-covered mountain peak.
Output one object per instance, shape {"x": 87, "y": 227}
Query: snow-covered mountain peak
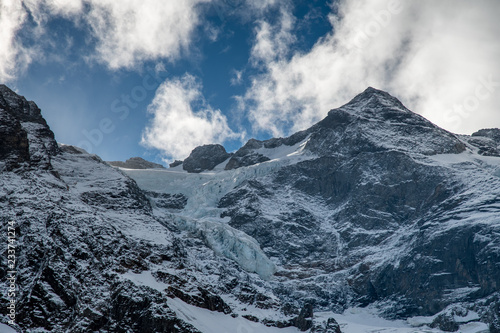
{"x": 375, "y": 96}
{"x": 377, "y": 105}
{"x": 374, "y": 121}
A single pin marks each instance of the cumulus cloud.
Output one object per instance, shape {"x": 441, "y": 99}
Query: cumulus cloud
{"x": 128, "y": 33}
{"x": 182, "y": 120}
{"x": 13, "y": 57}
{"x": 125, "y": 33}
{"x": 439, "y": 58}
{"x": 42, "y": 9}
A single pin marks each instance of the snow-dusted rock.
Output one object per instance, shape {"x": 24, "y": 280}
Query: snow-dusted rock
{"x": 204, "y": 158}
{"x": 136, "y": 163}
{"x": 25, "y": 137}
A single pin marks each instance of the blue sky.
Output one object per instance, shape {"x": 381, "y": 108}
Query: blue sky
{"x": 156, "y": 78}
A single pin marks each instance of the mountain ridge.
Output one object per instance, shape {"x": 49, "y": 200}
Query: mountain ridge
{"x": 379, "y": 114}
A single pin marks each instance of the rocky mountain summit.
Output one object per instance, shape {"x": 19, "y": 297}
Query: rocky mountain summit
{"x": 205, "y": 158}
{"x": 373, "y": 210}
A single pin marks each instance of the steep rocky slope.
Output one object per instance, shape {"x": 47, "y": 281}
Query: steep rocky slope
{"x": 25, "y": 138}
{"x": 90, "y": 253}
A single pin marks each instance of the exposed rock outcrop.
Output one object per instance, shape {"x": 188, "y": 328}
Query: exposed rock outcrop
{"x": 136, "y": 163}
{"x": 25, "y": 137}
{"x": 205, "y": 158}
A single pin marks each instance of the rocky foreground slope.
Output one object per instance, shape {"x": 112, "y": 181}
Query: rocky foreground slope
{"x": 91, "y": 255}
{"x": 373, "y": 207}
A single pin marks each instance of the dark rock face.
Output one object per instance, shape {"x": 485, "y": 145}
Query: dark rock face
{"x": 17, "y": 105}
{"x": 487, "y": 140}
{"x": 136, "y": 163}
{"x": 205, "y": 158}
{"x": 493, "y": 315}
{"x": 460, "y": 258}
{"x": 445, "y": 322}
{"x": 403, "y": 191}
{"x": 330, "y": 326}
{"x": 201, "y": 298}
{"x": 293, "y": 226}
{"x": 492, "y": 133}
{"x": 304, "y": 320}
{"x": 71, "y": 149}
{"x": 14, "y": 144}
{"x": 25, "y": 137}
{"x": 486, "y": 146}
{"x": 251, "y": 318}
{"x": 175, "y": 163}
{"x": 130, "y": 313}
{"x": 246, "y": 155}
{"x": 131, "y": 197}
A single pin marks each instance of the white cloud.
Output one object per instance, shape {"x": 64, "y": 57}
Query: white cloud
{"x": 128, "y": 33}
{"x": 182, "y": 120}
{"x": 237, "y": 77}
{"x": 432, "y": 55}
{"x": 13, "y": 56}
{"x": 125, "y": 32}
{"x": 273, "y": 42}
{"x": 42, "y": 9}
{"x": 261, "y": 5}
